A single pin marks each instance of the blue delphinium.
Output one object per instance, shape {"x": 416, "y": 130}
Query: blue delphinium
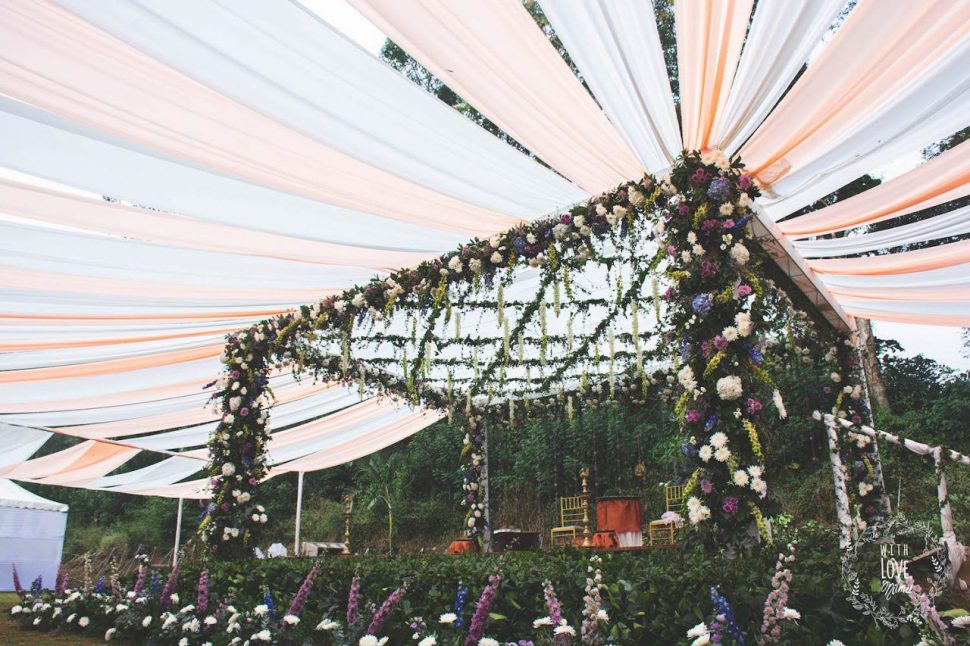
{"x": 460, "y": 600}
{"x": 268, "y": 602}
{"x": 37, "y": 586}
{"x": 723, "y": 609}
{"x": 99, "y": 588}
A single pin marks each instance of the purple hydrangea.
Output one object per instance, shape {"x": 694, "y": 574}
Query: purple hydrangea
{"x": 702, "y": 304}
{"x": 719, "y": 189}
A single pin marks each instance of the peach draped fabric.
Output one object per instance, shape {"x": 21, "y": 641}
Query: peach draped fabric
{"x": 941, "y": 179}
{"x": 63, "y": 209}
{"x": 882, "y": 47}
{"x": 82, "y": 462}
{"x": 860, "y": 310}
{"x": 67, "y": 344}
{"x": 710, "y": 34}
{"x": 51, "y": 58}
{"x": 906, "y": 262}
{"x": 112, "y": 366}
{"x": 496, "y": 58}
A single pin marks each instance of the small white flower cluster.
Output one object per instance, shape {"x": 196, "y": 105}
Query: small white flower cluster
{"x": 729, "y": 388}
{"x": 697, "y": 511}
{"x": 716, "y": 157}
{"x": 861, "y": 439}
{"x": 700, "y": 634}
{"x": 743, "y": 322}
{"x": 686, "y": 378}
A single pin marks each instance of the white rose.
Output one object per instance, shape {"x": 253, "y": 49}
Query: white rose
{"x": 455, "y": 263}
{"x": 228, "y": 469}
{"x": 496, "y": 258}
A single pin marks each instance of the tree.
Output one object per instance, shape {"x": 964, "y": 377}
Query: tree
{"x": 379, "y": 484}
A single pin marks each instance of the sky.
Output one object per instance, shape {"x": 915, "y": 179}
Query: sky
{"x": 943, "y": 344}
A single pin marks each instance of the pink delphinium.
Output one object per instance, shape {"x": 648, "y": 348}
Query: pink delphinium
{"x": 777, "y": 600}
{"x": 593, "y": 613}
{"x": 18, "y": 588}
{"x": 202, "y": 599}
{"x": 555, "y": 611}
{"x": 169, "y": 588}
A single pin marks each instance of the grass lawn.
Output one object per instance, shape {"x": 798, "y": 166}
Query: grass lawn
{"x": 12, "y": 635}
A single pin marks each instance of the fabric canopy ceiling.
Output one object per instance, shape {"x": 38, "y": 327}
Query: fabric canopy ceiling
{"x": 172, "y": 172}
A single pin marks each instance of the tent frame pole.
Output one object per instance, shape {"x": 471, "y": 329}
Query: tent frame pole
{"x": 178, "y": 535}
{"x": 299, "y": 511}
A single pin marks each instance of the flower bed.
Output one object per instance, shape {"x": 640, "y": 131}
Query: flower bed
{"x": 551, "y": 597}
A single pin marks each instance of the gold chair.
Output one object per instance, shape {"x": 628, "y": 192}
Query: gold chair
{"x": 570, "y": 521}
{"x": 661, "y": 533}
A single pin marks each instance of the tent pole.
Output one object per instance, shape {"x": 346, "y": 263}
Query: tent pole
{"x": 178, "y": 535}
{"x": 299, "y": 510}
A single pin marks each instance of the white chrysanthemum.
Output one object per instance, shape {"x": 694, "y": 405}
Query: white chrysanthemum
{"x": 488, "y": 641}
{"x": 791, "y": 613}
{"x": 730, "y": 333}
{"x": 729, "y": 388}
{"x": 744, "y": 200}
{"x": 723, "y": 454}
{"x": 455, "y": 263}
{"x": 718, "y": 440}
{"x": 327, "y": 625}
{"x": 698, "y": 630}
{"x": 741, "y": 478}
{"x": 693, "y": 503}
{"x": 755, "y": 471}
{"x": 542, "y": 621}
{"x": 740, "y": 254}
{"x": 565, "y": 629}
{"x": 836, "y": 377}
{"x": 961, "y": 622}
{"x": 744, "y": 324}
{"x": 261, "y": 610}
{"x": 291, "y": 620}
{"x": 708, "y": 157}
{"x": 759, "y": 486}
{"x": 228, "y": 469}
{"x": 726, "y": 209}
{"x": 706, "y": 453}
{"x": 779, "y": 404}
{"x": 685, "y": 256}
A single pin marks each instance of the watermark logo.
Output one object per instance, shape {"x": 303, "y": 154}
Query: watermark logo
{"x": 885, "y": 563}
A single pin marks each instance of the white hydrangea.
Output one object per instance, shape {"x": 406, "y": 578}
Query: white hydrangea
{"x": 740, "y": 254}
{"x": 729, "y": 388}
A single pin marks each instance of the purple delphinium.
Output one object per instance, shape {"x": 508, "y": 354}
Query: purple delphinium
{"x": 480, "y": 619}
{"x": 140, "y": 579}
{"x": 202, "y": 600}
{"x": 296, "y": 607}
{"x": 170, "y": 586}
{"x": 353, "y": 601}
{"x": 555, "y": 610}
{"x": 60, "y": 583}
{"x": 18, "y": 588}
{"x": 385, "y": 611}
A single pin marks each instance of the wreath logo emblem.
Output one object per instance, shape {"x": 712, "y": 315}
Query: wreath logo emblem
{"x": 885, "y": 561}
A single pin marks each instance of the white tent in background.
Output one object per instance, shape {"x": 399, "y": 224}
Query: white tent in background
{"x": 31, "y": 536}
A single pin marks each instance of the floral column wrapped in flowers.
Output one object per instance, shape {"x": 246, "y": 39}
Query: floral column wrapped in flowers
{"x": 713, "y": 318}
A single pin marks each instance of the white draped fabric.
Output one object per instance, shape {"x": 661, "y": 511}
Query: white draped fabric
{"x": 780, "y": 38}
{"x": 616, "y": 47}
{"x": 953, "y": 223}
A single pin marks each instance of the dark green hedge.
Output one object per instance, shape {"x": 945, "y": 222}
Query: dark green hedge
{"x": 652, "y": 597}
